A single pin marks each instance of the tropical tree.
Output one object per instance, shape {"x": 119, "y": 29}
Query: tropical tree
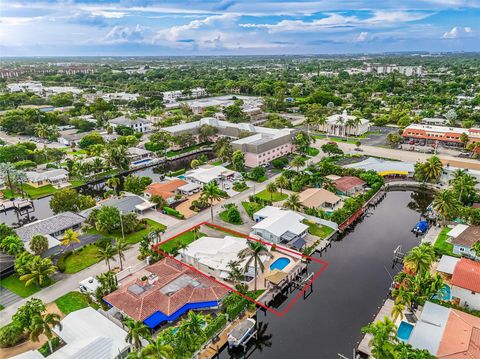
{"x": 465, "y": 186}
{"x": 70, "y": 237}
{"x": 238, "y": 161}
{"x": 420, "y": 258}
{"x": 107, "y": 254}
{"x": 397, "y": 311}
{"x": 476, "y": 248}
{"x": 211, "y": 193}
{"x": 223, "y": 148}
{"x": 384, "y": 338}
{"x": 298, "y": 161}
{"x": 137, "y": 331}
{"x": 39, "y": 244}
{"x": 117, "y": 156}
{"x": 445, "y": 203}
{"x": 235, "y": 274}
{"x": 253, "y": 253}
{"x": 271, "y": 188}
{"x": 12, "y": 245}
{"x": 293, "y": 202}
{"x": 195, "y": 163}
{"x": 42, "y": 130}
{"x": 113, "y": 182}
{"x": 282, "y": 182}
{"x": 157, "y": 350}
{"x": 120, "y": 246}
{"x": 43, "y": 324}
{"x": 38, "y": 271}
{"x": 431, "y": 169}
{"x": 159, "y": 201}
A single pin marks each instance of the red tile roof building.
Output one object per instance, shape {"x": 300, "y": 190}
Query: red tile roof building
{"x": 349, "y": 184}
{"x": 165, "y": 190}
{"x": 467, "y": 275}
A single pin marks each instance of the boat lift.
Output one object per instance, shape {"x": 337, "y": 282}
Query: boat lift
{"x": 301, "y": 281}
{"x": 398, "y": 255}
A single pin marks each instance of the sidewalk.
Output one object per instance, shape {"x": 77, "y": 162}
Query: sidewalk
{"x": 431, "y": 235}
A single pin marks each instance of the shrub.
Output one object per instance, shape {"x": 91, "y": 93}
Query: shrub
{"x": 10, "y": 335}
{"x": 280, "y": 163}
{"x": 173, "y": 212}
{"x": 215, "y": 325}
{"x": 45, "y": 349}
{"x": 103, "y": 242}
{"x": 61, "y": 265}
{"x": 24, "y": 164}
{"x": 177, "y": 173}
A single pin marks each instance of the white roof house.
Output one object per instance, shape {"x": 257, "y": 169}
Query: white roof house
{"x": 90, "y": 335}
{"x": 208, "y": 173}
{"x": 31, "y": 354}
{"x": 216, "y": 253}
{"x": 384, "y": 167}
{"x": 277, "y": 224}
{"x": 457, "y": 230}
{"x": 447, "y": 264}
{"x": 53, "y": 174}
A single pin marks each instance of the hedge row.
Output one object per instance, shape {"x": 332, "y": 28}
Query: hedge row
{"x": 173, "y": 212}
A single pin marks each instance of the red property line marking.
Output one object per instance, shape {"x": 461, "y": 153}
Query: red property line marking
{"x": 281, "y": 248}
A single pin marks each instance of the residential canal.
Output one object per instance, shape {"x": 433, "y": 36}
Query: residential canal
{"x": 347, "y": 295}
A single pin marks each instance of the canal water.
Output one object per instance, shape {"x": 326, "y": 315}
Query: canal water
{"x": 347, "y": 295}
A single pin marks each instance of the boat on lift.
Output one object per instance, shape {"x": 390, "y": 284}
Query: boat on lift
{"x": 242, "y": 333}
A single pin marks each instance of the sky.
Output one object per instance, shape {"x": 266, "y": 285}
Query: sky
{"x": 236, "y": 27}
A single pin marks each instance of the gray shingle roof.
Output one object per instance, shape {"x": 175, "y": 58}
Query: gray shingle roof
{"x": 50, "y": 225}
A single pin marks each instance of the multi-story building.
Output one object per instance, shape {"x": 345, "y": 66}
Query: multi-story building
{"x": 345, "y": 125}
{"x": 138, "y": 124}
{"x": 451, "y": 136}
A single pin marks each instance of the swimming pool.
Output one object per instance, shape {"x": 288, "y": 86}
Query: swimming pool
{"x": 404, "y": 331}
{"x": 182, "y": 177}
{"x": 139, "y": 162}
{"x": 443, "y": 294}
{"x": 280, "y": 263}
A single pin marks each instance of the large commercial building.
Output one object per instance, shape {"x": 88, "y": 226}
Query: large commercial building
{"x": 345, "y": 125}
{"x": 451, "y": 136}
{"x": 262, "y": 146}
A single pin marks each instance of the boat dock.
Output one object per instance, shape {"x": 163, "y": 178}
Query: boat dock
{"x": 384, "y": 311}
{"x": 17, "y": 204}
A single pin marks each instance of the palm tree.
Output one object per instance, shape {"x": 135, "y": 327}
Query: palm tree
{"x": 432, "y": 168}
{"x": 253, "y": 252}
{"x": 384, "y": 338}
{"x": 69, "y": 238}
{"x": 136, "y": 332}
{"x": 211, "y": 193}
{"x": 42, "y": 130}
{"x": 43, "y": 324}
{"x": 419, "y": 259}
{"x": 37, "y": 271}
{"x": 12, "y": 245}
{"x": 157, "y": 350}
{"x": 282, "y": 182}
{"x": 117, "y": 156}
{"x": 193, "y": 324}
{"x": 113, "y": 183}
{"x": 397, "y": 311}
{"x": 106, "y": 254}
{"x": 271, "y": 188}
{"x": 465, "y": 186}
{"x": 298, "y": 161}
{"x": 196, "y": 232}
{"x": 235, "y": 275}
{"x": 446, "y": 205}
{"x": 293, "y": 202}
{"x": 120, "y": 246}
{"x": 159, "y": 201}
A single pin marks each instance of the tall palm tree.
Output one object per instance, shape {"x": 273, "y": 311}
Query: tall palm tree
{"x": 293, "y": 202}
{"x": 211, "y": 193}
{"x": 271, "y": 188}
{"x": 107, "y": 254}
{"x": 42, "y": 130}
{"x": 120, "y": 246}
{"x": 432, "y": 168}
{"x": 254, "y": 252}
{"x": 43, "y": 324}
{"x": 196, "y": 232}
{"x": 193, "y": 324}
{"x": 384, "y": 338}
{"x": 70, "y": 237}
{"x": 282, "y": 182}
{"x": 113, "y": 182}
{"x": 38, "y": 271}
{"x": 419, "y": 259}
{"x": 465, "y": 186}
{"x": 298, "y": 161}
{"x": 445, "y": 203}
{"x": 136, "y": 332}
{"x": 117, "y": 156}
{"x": 157, "y": 350}
{"x": 235, "y": 275}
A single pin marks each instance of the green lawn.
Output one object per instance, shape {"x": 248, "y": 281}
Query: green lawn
{"x": 274, "y": 197}
{"x": 311, "y": 151}
{"x": 81, "y": 259}
{"x": 441, "y": 244}
{"x": 1, "y": 307}
{"x": 136, "y": 236}
{"x": 14, "y": 284}
{"x": 217, "y": 163}
{"x": 71, "y": 302}
{"x": 223, "y": 217}
{"x": 351, "y": 140}
{"x": 251, "y": 207}
{"x": 318, "y": 230}
{"x": 39, "y": 192}
{"x": 184, "y": 238}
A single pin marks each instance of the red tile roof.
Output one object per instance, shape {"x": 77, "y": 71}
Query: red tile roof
{"x": 461, "y": 337}
{"x": 467, "y": 275}
{"x": 165, "y": 190}
{"x": 150, "y": 299}
{"x": 348, "y": 182}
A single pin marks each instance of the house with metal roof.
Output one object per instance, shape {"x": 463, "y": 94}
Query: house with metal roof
{"x": 209, "y": 173}
{"x": 57, "y": 177}
{"x": 385, "y": 167}
{"x": 463, "y": 237}
{"x": 164, "y": 291}
{"x": 279, "y": 225}
{"x": 52, "y": 228}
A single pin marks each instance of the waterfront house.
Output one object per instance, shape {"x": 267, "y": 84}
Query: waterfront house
{"x": 57, "y": 177}
{"x": 167, "y": 190}
{"x": 446, "y": 265}
{"x": 89, "y": 334}
{"x": 465, "y": 284}
{"x": 138, "y": 124}
{"x": 446, "y": 333}
{"x": 139, "y": 156}
{"x": 319, "y": 198}
{"x": 349, "y": 185}
{"x": 279, "y": 225}
{"x": 463, "y": 237}
{"x": 163, "y": 292}
{"x": 126, "y": 203}
{"x": 385, "y": 168}
{"x": 52, "y": 228}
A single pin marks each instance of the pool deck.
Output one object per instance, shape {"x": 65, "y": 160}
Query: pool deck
{"x": 384, "y": 311}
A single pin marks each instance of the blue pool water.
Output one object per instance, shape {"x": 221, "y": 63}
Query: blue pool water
{"x": 280, "y": 263}
{"x": 182, "y": 177}
{"x": 443, "y": 294}
{"x": 404, "y": 331}
{"x": 142, "y": 161}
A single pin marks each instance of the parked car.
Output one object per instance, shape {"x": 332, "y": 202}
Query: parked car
{"x": 464, "y": 154}
{"x": 358, "y": 149}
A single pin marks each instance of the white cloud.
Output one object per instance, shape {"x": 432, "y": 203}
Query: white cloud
{"x": 119, "y": 34}
{"x": 362, "y": 36}
{"x": 457, "y": 32}
{"x": 467, "y": 29}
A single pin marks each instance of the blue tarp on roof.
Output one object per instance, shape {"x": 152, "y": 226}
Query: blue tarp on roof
{"x": 158, "y": 317}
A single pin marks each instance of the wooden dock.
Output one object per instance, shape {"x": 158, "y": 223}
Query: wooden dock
{"x": 213, "y": 348}
{"x": 385, "y": 311}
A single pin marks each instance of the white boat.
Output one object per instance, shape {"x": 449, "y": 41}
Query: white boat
{"x": 242, "y": 333}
